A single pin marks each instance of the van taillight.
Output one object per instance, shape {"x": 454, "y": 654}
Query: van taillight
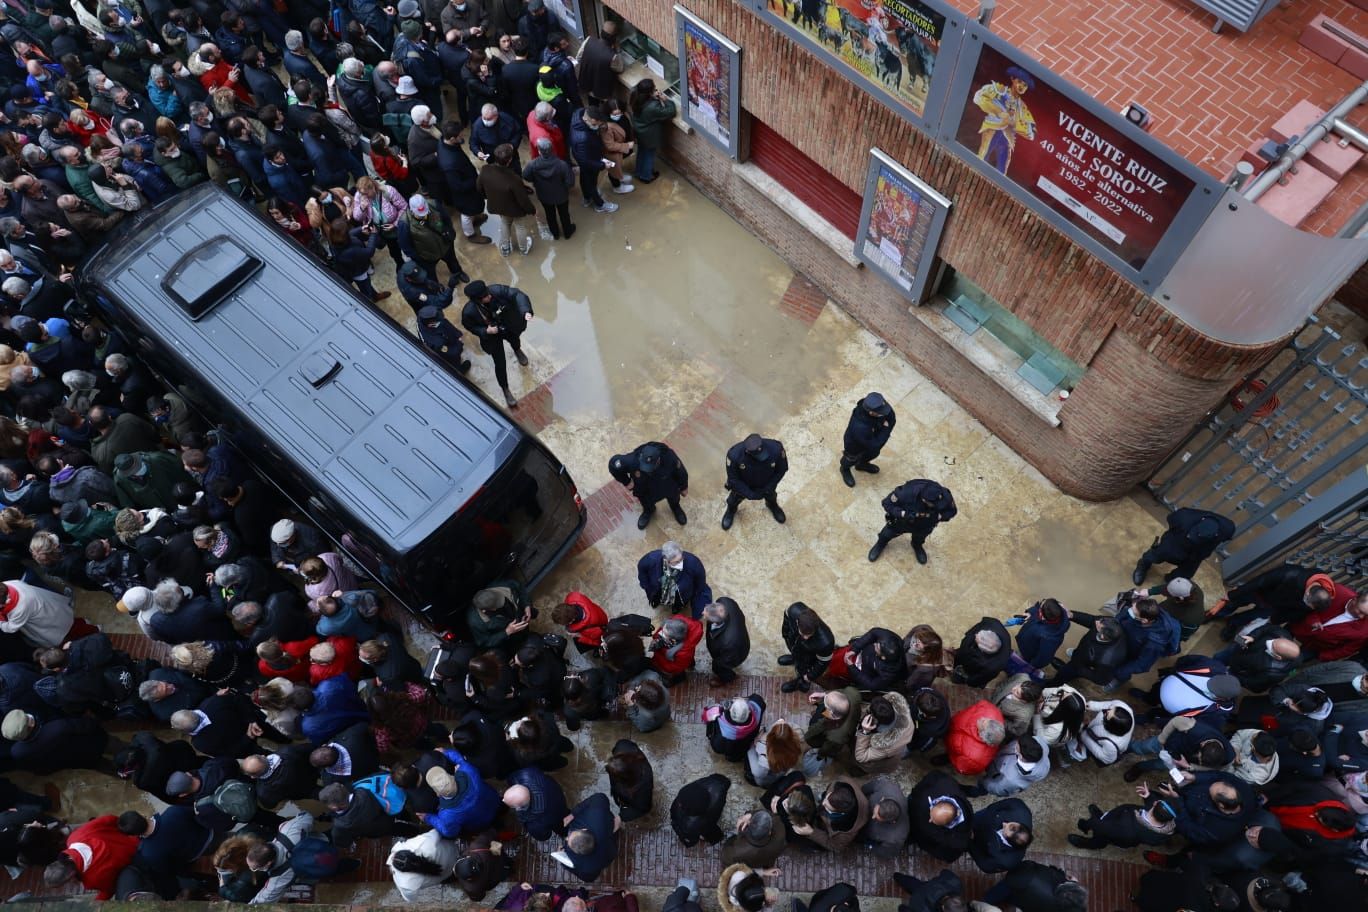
{"x": 579, "y": 501}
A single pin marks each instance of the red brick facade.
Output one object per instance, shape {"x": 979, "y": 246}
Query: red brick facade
{"x": 1150, "y": 377}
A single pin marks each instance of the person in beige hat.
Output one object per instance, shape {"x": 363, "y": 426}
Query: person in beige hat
{"x": 17, "y": 725}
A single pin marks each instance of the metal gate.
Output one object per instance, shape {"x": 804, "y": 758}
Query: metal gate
{"x": 1283, "y": 439}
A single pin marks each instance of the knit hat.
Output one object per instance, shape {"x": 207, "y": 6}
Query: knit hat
{"x": 283, "y": 531}
{"x": 1179, "y": 588}
{"x": 411, "y": 29}
{"x": 16, "y": 725}
{"x": 418, "y": 205}
{"x": 134, "y": 600}
{"x": 739, "y": 711}
{"x": 179, "y": 784}
{"x": 444, "y": 784}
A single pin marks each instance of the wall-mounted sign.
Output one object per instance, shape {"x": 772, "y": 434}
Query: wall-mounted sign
{"x": 567, "y": 14}
{"x": 1116, "y": 189}
{"x": 710, "y": 81}
{"x": 895, "y": 48}
{"x": 900, "y": 225}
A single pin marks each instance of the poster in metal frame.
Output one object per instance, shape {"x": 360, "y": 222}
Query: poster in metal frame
{"x": 709, "y": 81}
{"x": 901, "y": 223}
{"x": 875, "y": 59}
{"x": 567, "y": 13}
{"x": 1121, "y": 149}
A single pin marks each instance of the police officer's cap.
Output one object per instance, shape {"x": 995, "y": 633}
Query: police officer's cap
{"x": 429, "y": 314}
{"x": 1206, "y": 530}
{"x": 476, "y": 290}
{"x": 753, "y": 444}
{"x": 648, "y": 460}
{"x": 877, "y": 404}
{"x": 412, "y": 271}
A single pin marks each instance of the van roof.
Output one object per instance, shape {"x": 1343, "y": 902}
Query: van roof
{"x": 390, "y": 435}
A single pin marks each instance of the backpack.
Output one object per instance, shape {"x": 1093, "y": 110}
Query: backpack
{"x": 235, "y": 798}
{"x": 390, "y": 796}
{"x": 314, "y": 858}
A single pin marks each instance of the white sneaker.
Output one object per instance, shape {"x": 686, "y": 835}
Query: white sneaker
{"x": 607, "y": 207}
{"x": 624, "y": 188}
{"x": 505, "y": 249}
{"x": 526, "y": 247}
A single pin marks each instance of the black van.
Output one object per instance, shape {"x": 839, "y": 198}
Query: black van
{"x": 405, "y": 464}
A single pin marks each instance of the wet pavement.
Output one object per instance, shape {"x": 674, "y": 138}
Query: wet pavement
{"x": 668, "y": 321}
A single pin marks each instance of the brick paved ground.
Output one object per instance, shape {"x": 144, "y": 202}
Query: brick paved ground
{"x": 1211, "y": 95}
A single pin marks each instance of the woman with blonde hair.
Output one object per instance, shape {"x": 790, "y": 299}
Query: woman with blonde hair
{"x": 237, "y": 882}
{"x": 9, "y": 358}
{"x": 212, "y": 662}
{"x": 378, "y": 204}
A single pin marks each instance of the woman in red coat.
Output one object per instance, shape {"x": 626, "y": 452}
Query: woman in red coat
{"x": 96, "y": 853}
{"x": 285, "y": 660}
{"x": 584, "y": 619}
{"x": 976, "y": 733}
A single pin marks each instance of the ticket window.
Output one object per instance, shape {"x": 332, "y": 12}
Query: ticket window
{"x": 645, "y": 57}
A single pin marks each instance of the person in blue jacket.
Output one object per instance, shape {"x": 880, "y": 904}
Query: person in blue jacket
{"x": 590, "y": 839}
{"x": 283, "y": 179}
{"x": 871, "y": 423}
{"x": 465, "y": 803}
{"x": 674, "y": 580}
{"x": 538, "y": 801}
{"x": 335, "y": 707}
{"x": 1042, "y": 632}
{"x": 1151, "y": 633}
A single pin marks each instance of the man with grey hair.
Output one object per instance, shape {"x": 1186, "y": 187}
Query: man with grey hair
{"x": 673, "y": 646}
{"x": 674, "y": 580}
{"x": 358, "y": 94}
{"x": 492, "y": 129}
{"x": 90, "y": 223}
{"x": 831, "y": 731}
{"x": 299, "y": 65}
{"x": 183, "y": 617}
{"x": 758, "y": 842}
{"x": 982, "y": 655}
{"x": 551, "y": 177}
{"x": 727, "y": 639}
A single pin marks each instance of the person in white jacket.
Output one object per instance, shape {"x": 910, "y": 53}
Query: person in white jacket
{"x": 41, "y": 616}
{"x": 1107, "y": 734}
{"x": 1256, "y": 756}
{"x": 422, "y": 861}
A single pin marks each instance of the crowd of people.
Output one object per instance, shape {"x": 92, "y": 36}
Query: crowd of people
{"x": 294, "y": 721}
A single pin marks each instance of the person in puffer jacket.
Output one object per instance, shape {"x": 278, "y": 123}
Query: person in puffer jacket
{"x": 465, "y": 803}
{"x": 975, "y": 735}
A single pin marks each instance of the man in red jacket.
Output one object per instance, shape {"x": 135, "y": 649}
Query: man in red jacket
{"x": 96, "y": 852}
{"x": 673, "y": 646}
{"x": 584, "y": 619}
{"x": 976, "y": 733}
{"x": 1338, "y": 631}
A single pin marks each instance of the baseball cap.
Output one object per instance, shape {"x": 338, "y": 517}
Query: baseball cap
{"x": 418, "y": 205}
{"x": 15, "y": 726}
{"x": 283, "y": 531}
{"x": 444, "y": 784}
{"x": 876, "y": 403}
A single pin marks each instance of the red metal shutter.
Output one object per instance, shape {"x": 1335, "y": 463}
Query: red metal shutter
{"x": 804, "y": 178}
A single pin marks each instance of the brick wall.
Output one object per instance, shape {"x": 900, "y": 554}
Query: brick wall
{"x": 1063, "y": 292}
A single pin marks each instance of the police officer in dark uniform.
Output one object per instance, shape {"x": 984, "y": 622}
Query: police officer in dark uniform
{"x": 755, "y": 466}
{"x": 653, "y": 472}
{"x": 441, "y": 338}
{"x": 871, "y": 423}
{"x": 496, "y": 314}
{"x": 1193, "y": 536}
{"x": 915, "y": 508}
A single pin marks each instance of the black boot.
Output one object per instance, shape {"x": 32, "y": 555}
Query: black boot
{"x": 644, "y": 519}
{"x": 847, "y": 477}
{"x": 777, "y": 512}
{"x": 679, "y": 514}
{"x": 728, "y": 517}
{"x": 875, "y": 551}
{"x": 1141, "y": 571}
{"x": 869, "y": 467}
{"x": 918, "y": 550}
{"x": 785, "y": 659}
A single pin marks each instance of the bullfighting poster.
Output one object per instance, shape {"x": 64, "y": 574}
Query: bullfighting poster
{"x": 891, "y": 45}
{"x": 710, "y": 77}
{"x": 1082, "y": 162}
{"x": 900, "y": 225}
